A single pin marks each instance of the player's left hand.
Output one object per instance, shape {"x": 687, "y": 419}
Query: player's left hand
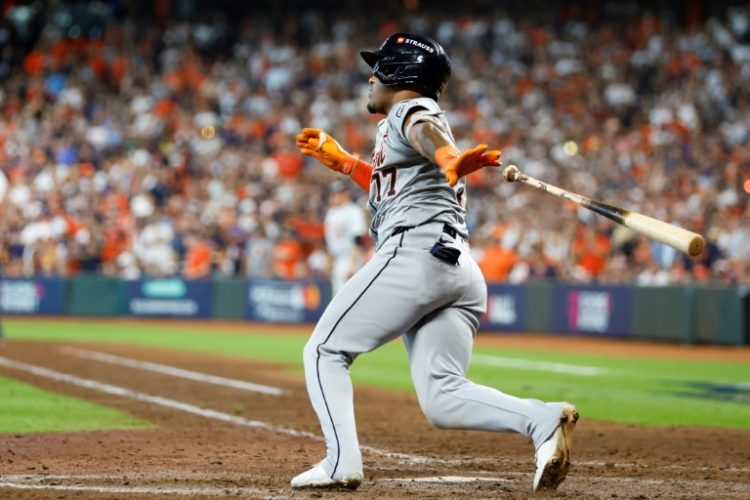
{"x": 470, "y": 161}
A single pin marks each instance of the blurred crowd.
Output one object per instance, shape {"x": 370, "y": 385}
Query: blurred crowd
{"x": 164, "y": 147}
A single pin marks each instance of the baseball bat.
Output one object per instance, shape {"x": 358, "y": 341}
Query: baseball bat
{"x": 676, "y": 237}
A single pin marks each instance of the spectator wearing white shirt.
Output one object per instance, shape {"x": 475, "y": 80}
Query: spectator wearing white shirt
{"x": 345, "y": 229}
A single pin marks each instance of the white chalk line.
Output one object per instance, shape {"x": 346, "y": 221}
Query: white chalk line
{"x": 173, "y": 371}
{"x": 157, "y": 400}
{"x": 583, "y": 370}
{"x": 544, "y": 366}
{"x": 598, "y": 463}
{"x": 445, "y": 479}
{"x": 52, "y": 482}
{"x": 189, "y": 408}
{"x": 143, "y": 490}
{"x": 500, "y": 462}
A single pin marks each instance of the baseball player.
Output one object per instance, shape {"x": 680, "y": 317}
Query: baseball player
{"x": 345, "y": 229}
{"x": 422, "y": 282}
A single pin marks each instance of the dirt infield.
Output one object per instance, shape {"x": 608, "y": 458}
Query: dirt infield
{"x": 250, "y": 444}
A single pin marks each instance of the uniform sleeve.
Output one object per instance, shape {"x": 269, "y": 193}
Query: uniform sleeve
{"x": 421, "y": 109}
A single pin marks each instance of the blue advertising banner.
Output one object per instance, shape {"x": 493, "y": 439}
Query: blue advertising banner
{"x": 505, "y": 308}
{"x": 286, "y": 301}
{"x": 603, "y": 310}
{"x": 32, "y": 296}
{"x": 170, "y": 297}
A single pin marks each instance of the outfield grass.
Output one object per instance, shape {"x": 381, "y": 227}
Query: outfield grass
{"x": 619, "y": 389}
{"x": 25, "y": 408}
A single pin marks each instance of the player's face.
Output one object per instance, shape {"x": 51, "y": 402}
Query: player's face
{"x": 379, "y": 95}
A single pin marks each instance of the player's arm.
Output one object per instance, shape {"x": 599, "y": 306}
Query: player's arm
{"x": 427, "y": 136}
{"x": 321, "y": 146}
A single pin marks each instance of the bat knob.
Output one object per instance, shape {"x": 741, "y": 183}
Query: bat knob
{"x": 511, "y": 173}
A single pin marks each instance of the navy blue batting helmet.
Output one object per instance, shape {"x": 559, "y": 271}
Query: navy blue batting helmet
{"x": 411, "y": 60}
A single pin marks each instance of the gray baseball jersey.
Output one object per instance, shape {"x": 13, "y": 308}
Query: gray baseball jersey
{"x": 421, "y": 284}
{"x": 406, "y": 189}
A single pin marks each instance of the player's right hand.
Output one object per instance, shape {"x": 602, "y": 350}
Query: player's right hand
{"x": 318, "y": 144}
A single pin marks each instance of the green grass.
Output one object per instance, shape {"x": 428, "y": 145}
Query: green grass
{"x": 628, "y": 389}
{"x": 632, "y": 390}
{"x": 25, "y": 408}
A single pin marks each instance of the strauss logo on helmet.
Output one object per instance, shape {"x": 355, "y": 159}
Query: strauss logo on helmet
{"x": 421, "y": 45}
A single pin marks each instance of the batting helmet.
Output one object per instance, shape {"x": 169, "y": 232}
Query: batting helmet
{"x": 410, "y": 60}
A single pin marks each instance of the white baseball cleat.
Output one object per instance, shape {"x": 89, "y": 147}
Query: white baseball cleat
{"x": 553, "y": 457}
{"x": 317, "y": 477}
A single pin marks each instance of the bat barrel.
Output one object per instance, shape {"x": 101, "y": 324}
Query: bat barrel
{"x": 681, "y": 239}
{"x": 678, "y": 238}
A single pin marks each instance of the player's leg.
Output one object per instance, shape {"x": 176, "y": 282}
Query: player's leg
{"x": 439, "y": 355}
{"x": 375, "y": 306}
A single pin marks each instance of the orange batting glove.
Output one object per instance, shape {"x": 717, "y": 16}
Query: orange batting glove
{"x": 321, "y": 146}
{"x": 456, "y": 165}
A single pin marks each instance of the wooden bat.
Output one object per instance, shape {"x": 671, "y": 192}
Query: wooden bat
{"x": 680, "y": 239}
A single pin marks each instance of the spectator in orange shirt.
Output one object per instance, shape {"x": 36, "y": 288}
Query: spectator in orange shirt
{"x": 198, "y": 258}
{"x": 591, "y": 247}
{"x": 288, "y": 257}
{"x": 495, "y": 261}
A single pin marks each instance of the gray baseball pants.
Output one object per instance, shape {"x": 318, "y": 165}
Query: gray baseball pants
{"x": 436, "y": 306}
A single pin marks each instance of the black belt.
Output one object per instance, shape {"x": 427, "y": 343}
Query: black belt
{"x": 450, "y": 231}
{"x": 447, "y": 229}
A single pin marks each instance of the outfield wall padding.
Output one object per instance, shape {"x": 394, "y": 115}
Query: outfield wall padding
{"x": 229, "y": 297}
{"x": 600, "y": 310}
{"x": 690, "y": 314}
{"x": 663, "y": 313}
{"x": 719, "y": 315}
{"x": 506, "y": 308}
{"x": 170, "y": 297}
{"x": 278, "y": 301}
{"x": 95, "y": 295}
{"x": 40, "y": 295}
{"x": 539, "y": 306}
